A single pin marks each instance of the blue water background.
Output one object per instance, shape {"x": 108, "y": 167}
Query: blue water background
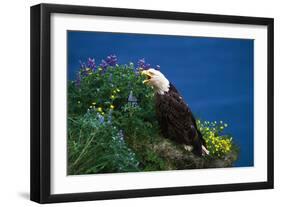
{"x": 214, "y": 75}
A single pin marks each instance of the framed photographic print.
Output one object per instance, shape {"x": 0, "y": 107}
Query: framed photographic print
{"x": 132, "y": 103}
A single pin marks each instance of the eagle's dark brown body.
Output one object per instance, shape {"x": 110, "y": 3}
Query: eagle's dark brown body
{"x": 176, "y": 120}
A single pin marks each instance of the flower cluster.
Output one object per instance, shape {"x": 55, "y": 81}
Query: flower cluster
{"x": 90, "y": 67}
{"x": 142, "y": 64}
{"x": 217, "y": 144}
{"x": 87, "y": 68}
{"x": 91, "y": 63}
{"x": 110, "y": 60}
{"x": 101, "y": 108}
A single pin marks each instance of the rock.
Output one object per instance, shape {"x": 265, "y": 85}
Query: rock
{"x": 179, "y": 158}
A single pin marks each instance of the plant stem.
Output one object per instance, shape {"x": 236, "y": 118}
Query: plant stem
{"x": 83, "y": 151}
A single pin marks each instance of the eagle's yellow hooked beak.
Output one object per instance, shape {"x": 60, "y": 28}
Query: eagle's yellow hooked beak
{"x": 147, "y": 74}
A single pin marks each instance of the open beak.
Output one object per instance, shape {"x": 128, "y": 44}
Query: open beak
{"x": 147, "y": 74}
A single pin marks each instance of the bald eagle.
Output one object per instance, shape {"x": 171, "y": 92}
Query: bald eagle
{"x": 174, "y": 116}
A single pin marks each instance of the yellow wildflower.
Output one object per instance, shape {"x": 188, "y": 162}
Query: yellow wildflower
{"x": 100, "y": 109}
{"x": 112, "y": 106}
{"x": 117, "y": 89}
{"x": 112, "y": 97}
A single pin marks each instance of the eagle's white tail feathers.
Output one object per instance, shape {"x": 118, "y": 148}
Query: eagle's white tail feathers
{"x": 188, "y": 148}
{"x": 205, "y": 150}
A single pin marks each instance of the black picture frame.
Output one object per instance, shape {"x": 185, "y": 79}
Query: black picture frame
{"x": 41, "y": 96}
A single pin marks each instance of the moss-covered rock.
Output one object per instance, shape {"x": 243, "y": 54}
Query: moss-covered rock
{"x": 179, "y": 158}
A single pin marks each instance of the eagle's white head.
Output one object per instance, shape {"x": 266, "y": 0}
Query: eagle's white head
{"x": 157, "y": 80}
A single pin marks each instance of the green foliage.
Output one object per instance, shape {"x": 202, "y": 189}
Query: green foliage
{"x": 95, "y": 146}
{"x": 105, "y": 89}
{"x": 107, "y": 133}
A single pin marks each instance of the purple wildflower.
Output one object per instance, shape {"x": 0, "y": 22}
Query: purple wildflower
{"x": 101, "y": 118}
{"x": 110, "y": 116}
{"x": 87, "y": 69}
{"x": 85, "y": 72}
{"x": 103, "y": 64}
{"x": 111, "y": 60}
{"x": 91, "y": 63}
{"x": 82, "y": 65}
{"x": 142, "y": 64}
{"x": 157, "y": 67}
